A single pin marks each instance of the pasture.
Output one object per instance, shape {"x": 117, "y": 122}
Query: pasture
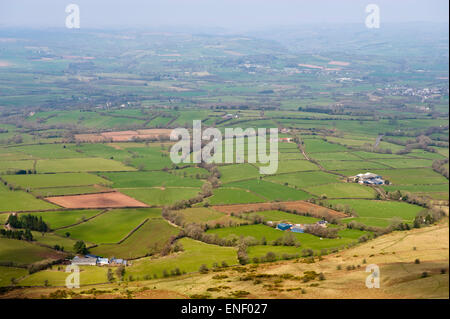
{"x": 292, "y": 166}
{"x": 233, "y": 195}
{"x": 91, "y": 164}
{"x": 21, "y": 252}
{"x": 271, "y": 191}
{"x": 342, "y": 190}
{"x": 309, "y": 241}
{"x": 54, "y": 180}
{"x": 304, "y": 179}
{"x": 111, "y": 226}
{"x": 194, "y": 255}
{"x": 58, "y": 219}
{"x": 57, "y": 278}
{"x": 8, "y": 273}
{"x": 20, "y": 201}
{"x": 313, "y": 145}
{"x": 380, "y": 209}
{"x": 150, "y": 179}
{"x": 161, "y": 196}
{"x": 279, "y": 216}
{"x": 231, "y": 173}
{"x": 150, "y": 238}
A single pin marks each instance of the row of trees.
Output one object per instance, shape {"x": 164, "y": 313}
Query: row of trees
{"x": 439, "y": 166}
{"x": 17, "y": 234}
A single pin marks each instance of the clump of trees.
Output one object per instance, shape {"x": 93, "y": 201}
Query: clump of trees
{"x": 80, "y": 247}
{"x": 171, "y": 246}
{"x": 28, "y": 222}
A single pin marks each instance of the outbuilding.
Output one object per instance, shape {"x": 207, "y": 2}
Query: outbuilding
{"x": 284, "y": 226}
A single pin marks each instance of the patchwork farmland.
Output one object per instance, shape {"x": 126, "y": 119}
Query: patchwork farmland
{"x": 87, "y": 177}
{"x": 106, "y": 205}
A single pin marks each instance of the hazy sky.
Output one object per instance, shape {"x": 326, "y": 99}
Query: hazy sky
{"x": 215, "y": 13}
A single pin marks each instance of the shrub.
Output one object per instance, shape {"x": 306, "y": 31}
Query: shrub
{"x": 203, "y": 269}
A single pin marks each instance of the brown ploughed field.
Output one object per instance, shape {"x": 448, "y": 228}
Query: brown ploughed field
{"x": 99, "y": 200}
{"x": 122, "y": 136}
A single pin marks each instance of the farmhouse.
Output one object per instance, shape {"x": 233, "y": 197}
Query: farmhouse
{"x": 102, "y": 261}
{"x": 285, "y": 139}
{"x": 118, "y": 262}
{"x": 93, "y": 260}
{"x": 84, "y": 261}
{"x": 368, "y": 179}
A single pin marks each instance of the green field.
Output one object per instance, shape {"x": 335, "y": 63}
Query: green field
{"x": 57, "y": 278}
{"x": 50, "y": 240}
{"x": 7, "y": 273}
{"x": 21, "y": 252}
{"x": 54, "y": 180}
{"x": 341, "y": 165}
{"x": 48, "y": 151}
{"x": 233, "y": 196}
{"x": 231, "y": 173}
{"x": 15, "y": 165}
{"x": 148, "y": 239}
{"x": 199, "y": 215}
{"x": 304, "y": 179}
{"x": 293, "y": 166}
{"x": 321, "y": 146}
{"x": 194, "y": 255}
{"x": 336, "y": 156}
{"x": 306, "y": 240}
{"x": 161, "y": 196}
{"x": 433, "y": 188}
{"x": 58, "y": 219}
{"x": 342, "y": 190}
{"x": 110, "y": 227}
{"x": 405, "y": 163}
{"x": 271, "y": 191}
{"x": 380, "y": 210}
{"x": 204, "y": 215}
{"x": 279, "y": 216}
{"x": 20, "y": 200}
{"x": 91, "y": 164}
{"x": 150, "y": 179}
{"x": 68, "y": 190}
